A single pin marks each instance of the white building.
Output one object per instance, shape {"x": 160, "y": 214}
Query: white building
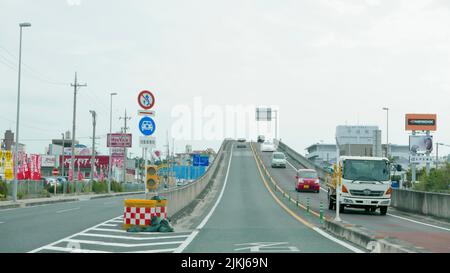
{"x": 322, "y": 154}
{"x": 359, "y": 140}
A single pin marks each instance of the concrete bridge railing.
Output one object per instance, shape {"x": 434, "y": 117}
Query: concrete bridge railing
{"x": 182, "y": 197}
{"x": 426, "y": 203}
{"x": 302, "y": 160}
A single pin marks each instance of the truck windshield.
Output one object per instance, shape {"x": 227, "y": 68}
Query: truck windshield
{"x": 366, "y": 170}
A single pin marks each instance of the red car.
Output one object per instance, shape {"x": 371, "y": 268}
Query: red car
{"x": 307, "y": 180}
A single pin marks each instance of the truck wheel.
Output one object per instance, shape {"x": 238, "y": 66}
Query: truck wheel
{"x": 383, "y": 210}
{"x": 373, "y": 209}
{"x": 341, "y": 208}
{"x": 367, "y": 209}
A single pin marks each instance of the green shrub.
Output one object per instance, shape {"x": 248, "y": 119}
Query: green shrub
{"x": 3, "y": 189}
{"x": 20, "y": 194}
{"x": 116, "y": 187}
{"x": 44, "y": 193}
{"x": 99, "y": 187}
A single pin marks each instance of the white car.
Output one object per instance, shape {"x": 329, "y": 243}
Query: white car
{"x": 278, "y": 160}
{"x": 267, "y": 147}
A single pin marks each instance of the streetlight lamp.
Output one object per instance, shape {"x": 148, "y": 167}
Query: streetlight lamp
{"x": 110, "y": 151}
{"x": 387, "y": 130}
{"x": 16, "y": 145}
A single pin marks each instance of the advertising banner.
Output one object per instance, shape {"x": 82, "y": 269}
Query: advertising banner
{"x": 119, "y": 140}
{"x": 85, "y": 161}
{"x": 420, "y": 144}
{"x": 420, "y": 122}
{"x": 48, "y": 161}
{"x": 117, "y": 151}
{"x": 9, "y": 171}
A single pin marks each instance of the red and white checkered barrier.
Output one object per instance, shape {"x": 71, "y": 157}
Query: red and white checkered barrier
{"x": 142, "y": 216}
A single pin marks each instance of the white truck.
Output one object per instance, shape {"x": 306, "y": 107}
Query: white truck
{"x": 365, "y": 183}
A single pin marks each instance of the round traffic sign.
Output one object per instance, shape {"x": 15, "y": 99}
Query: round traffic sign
{"x": 147, "y": 126}
{"x": 146, "y": 99}
{"x": 55, "y": 172}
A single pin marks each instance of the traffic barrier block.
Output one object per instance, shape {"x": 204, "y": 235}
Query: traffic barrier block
{"x": 139, "y": 212}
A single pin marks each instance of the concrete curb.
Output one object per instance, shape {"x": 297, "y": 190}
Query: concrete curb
{"x": 368, "y": 239}
{"x": 32, "y": 203}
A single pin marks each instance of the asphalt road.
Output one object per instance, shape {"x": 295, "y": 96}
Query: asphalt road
{"x": 424, "y": 232}
{"x": 25, "y": 229}
{"x": 247, "y": 218}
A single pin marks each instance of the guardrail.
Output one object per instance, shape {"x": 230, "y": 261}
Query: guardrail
{"x": 185, "y": 197}
{"x": 302, "y": 160}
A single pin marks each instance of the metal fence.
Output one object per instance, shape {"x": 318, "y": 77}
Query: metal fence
{"x": 27, "y": 189}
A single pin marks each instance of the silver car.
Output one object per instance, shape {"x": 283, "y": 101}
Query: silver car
{"x": 278, "y": 160}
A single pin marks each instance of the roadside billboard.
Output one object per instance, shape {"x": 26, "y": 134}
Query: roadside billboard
{"x": 420, "y": 144}
{"x": 85, "y": 161}
{"x": 119, "y": 140}
{"x": 420, "y": 122}
{"x": 48, "y": 161}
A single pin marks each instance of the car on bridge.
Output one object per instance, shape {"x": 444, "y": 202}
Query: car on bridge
{"x": 307, "y": 180}
{"x": 261, "y": 139}
{"x": 267, "y": 147}
{"x": 278, "y": 160}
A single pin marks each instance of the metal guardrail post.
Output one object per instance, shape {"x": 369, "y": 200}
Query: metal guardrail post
{"x": 307, "y": 205}
{"x": 321, "y": 212}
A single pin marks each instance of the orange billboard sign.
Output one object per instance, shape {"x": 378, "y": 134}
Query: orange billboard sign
{"x": 420, "y": 122}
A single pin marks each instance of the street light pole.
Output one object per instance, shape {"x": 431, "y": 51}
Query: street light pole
{"x": 16, "y": 145}
{"x": 110, "y": 150}
{"x": 387, "y": 130}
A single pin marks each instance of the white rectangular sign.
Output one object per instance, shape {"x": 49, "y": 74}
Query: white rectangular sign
{"x": 420, "y": 159}
{"x": 147, "y": 142}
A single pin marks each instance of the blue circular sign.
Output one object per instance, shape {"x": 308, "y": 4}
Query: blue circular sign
{"x": 147, "y": 126}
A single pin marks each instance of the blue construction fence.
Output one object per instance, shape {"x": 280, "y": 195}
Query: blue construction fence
{"x": 185, "y": 172}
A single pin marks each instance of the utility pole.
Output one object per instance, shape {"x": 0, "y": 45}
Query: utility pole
{"x": 62, "y": 164}
{"x": 124, "y": 131}
{"x": 75, "y": 86}
{"x": 94, "y": 117}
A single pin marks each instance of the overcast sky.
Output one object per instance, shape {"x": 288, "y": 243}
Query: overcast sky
{"x": 322, "y": 62}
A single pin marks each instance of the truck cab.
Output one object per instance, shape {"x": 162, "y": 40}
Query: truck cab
{"x": 365, "y": 183}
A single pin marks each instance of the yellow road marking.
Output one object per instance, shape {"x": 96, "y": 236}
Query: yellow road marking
{"x": 293, "y": 214}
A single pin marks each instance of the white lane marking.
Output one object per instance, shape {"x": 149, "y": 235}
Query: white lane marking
{"x": 70, "y": 236}
{"x": 133, "y": 238}
{"x": 418, "y": 222}
{"x": 342, "y": 243}
{"x": 205, "y": 220}
{"x": 124, "y": 231}
{"x": 110, "y": 225}
{"x": 69, "y": 249}
{"x": 2, "y": 222}
{"x": 120, "y": 244}
{"x": 67, "y": 210}
{"x": 153, "y": 250}
{"x": 291, "y": 165}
